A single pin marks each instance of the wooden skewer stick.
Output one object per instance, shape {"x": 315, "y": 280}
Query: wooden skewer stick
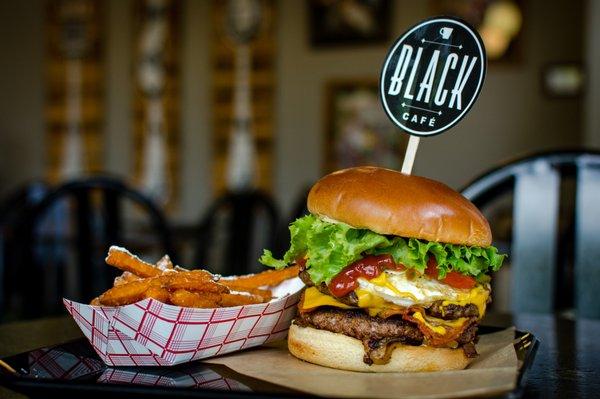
{"x": 409, "y": 156}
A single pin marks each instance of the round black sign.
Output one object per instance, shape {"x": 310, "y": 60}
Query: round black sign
{"x": 432, "y": 76}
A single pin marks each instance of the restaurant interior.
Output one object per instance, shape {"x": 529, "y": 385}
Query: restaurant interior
{"x": 197, "y": 128}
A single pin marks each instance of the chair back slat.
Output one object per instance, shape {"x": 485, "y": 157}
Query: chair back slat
{"x": 241, "y": 234}
{"x": 112, "y": 214}
{"x": 535, "y": 219}
{"x": 587, "y": 242}
{"x": 230, "y": 228}
{"x": 83, "y": 239}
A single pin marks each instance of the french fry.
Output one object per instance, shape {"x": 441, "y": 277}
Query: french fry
{"x": 125, "y": 278}
{"x": 164, "y": 263}
{"x": 95, "y": 302}
{"x": 127, "y": 293}
{"x": 268, "y": 278}
{"x": 194, "y": 280}
{"x": 239, "y": 299}
{"x": 126, "y": 261}
{"x": 266, "y": 295}
{"x": 175, "y": 285}
{"x": 158, "y": 293}
{"x": 189, "y": 299}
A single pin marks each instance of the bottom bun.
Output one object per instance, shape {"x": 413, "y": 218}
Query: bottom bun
{"x": 346, "y": 353}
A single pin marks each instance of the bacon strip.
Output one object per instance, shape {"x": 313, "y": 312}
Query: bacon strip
{"x": 435, "y": 339}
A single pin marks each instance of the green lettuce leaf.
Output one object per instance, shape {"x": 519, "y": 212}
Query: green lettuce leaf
{"x": 329, "y": 247}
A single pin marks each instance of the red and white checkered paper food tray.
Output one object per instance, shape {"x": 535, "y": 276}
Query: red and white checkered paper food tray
{"x": 151, "y": 333}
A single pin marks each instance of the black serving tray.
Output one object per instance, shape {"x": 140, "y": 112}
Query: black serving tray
{"x": 74, "y": 370}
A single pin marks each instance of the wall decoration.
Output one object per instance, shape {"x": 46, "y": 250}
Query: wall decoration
{"x": 499, "y": 23}
{"x": 74, "y": 76}
{"x": 244, "y": 18}
{"x": 348, "y": 22}
{"x": 358, "y": 131}
{"x": 243, "y": 92}
{"x": 563, "y": 80}
{"x": 156, "y": 100}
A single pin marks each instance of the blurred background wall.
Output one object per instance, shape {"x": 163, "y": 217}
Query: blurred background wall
{"x": 592, "y": 58}
{"x": 512, "y": 116}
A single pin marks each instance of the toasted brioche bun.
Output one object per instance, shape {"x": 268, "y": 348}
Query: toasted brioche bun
{"x": 390, "y": 202}
{"x": 342, "y": 352}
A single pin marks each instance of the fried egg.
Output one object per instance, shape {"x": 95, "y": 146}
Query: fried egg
{"x": 400, "y": 289}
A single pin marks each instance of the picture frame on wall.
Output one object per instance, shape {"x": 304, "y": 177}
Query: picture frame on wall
{"x": 498, "y": 22}
{"x": 357, "y": 130}
{"x": 348, "y": 22}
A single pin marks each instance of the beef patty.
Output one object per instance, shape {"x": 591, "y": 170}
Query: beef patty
{"x": 377, "y": 335}
{"x": 359, "y": 325}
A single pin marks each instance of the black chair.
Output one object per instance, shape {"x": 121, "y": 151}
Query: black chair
{"x": 553, "y": 222}
{"x": 235, "y": 230}
{"x": 299, "y": 209}
{"x": 65, "y": 237}
{"x": 12, "y": 208}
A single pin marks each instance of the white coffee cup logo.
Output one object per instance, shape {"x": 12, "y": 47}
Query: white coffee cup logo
{"x": 446, "y": 32}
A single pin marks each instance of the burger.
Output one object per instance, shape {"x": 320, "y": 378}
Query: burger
{"x": 397, "y": 273}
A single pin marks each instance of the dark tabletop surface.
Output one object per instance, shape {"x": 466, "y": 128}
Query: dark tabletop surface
{"x": 567, "y": 364}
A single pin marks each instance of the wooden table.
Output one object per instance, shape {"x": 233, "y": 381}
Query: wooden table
{"x": 23, "y": 336}
{"x": 567, "y": 364}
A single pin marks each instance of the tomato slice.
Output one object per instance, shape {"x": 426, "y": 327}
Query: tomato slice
{"x": 453, "y": 279}
{"x": 459, "y": 280}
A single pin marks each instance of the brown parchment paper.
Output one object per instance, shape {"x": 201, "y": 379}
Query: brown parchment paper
{"x": 495, "y": 370}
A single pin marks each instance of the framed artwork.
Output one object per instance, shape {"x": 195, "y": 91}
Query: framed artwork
{"x": 357, "y": 130}
{"x": 499, "y": 23}
{"x": 156, "y": 99}
{"x": 348, "y": 22}
{"x": 563, "y": 80}
{"x": 74, "y": 78}
{"x": 261, "y": 92}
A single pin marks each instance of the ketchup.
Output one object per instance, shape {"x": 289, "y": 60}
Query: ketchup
{"x": 369, "y": 267}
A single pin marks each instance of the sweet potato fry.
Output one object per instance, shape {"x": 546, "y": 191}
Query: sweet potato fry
{"x": 126, "y": 261}
{"x": 128, "y": 293}
{"x": 264, "y": 279}
{"x": 266, "y": 295}
{"x": 164, "y": 263}
{"x": 194, "y": 300}
{"x": 195, "y": 280}
{"x": 239, "y": 299}
{"x": 158, "y": 293}
{"x": 125, "y": 278}
{"x": 175, "y": 285}
{"x": 95, "y": 302}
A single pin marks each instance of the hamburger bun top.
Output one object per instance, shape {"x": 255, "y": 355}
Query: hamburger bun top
{"x": 390, "y": 202}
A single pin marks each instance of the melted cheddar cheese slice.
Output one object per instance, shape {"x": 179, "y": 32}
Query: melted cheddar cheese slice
{"x": 313, "y": 298}
{"x": 374, "y": 302}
